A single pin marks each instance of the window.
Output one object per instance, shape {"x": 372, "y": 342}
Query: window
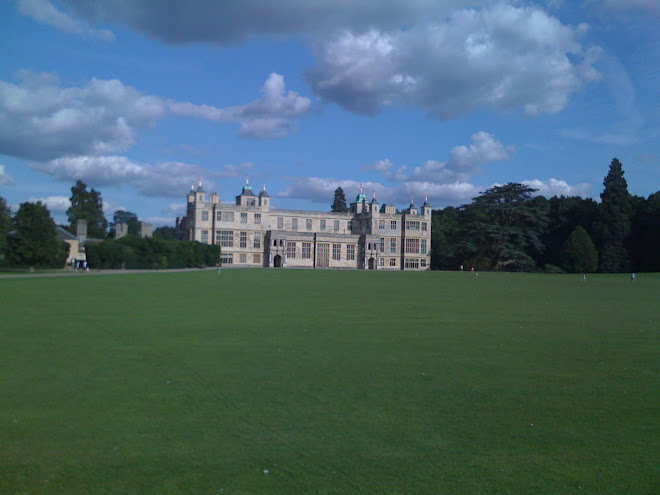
{"x": 422, "y": 263}
{"x": 382, "y": 244}
{"x": 393, "y": 224}
{"x": 322, "y": 224}
{"x": 412, "y": 263}
{"x": 336, "y": 225}
{"x": 294, "y": 224}
{"x": 256, "y": 258}
{"x": 243, "y": 240}
{"x": 205, "y": 216}
{"x": 280, "y": 222}
{"x": 392, "y": 261}
{"x": 381, "y": 261}
{"x": 291, "y": 250}
{"x": 412, "y": 225}
{"x": 423, "y": 246}
{"x": 350, "y": 252}
{"x": 393, "y": 245}
{"x": 243, "y": 217}
{"x": 227, "y": 216}
{"x": 242, "y": 258}
{"x": 323, "y": 254}
{"x": 257, "y": 218}
{"x": 349, "y": 225}
{"x": 205, "y": 236}
{"x": 307, "y": 250}
{"x": 309, "y": 224}
{"x": 425, "y": 226}
{"x": 226, "y": 259}
{"x": 257, "y": 241}
{"x": 336, "y": 251}
{"x": 218, "y": 216}
{"x": 412, "y": 245}
{"x": 381, "y": 224}
{"x": 251, "y": 202}
{"x": 227, "y": 238}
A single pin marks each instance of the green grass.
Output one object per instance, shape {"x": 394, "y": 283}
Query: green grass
{"x": 333, "y": 382}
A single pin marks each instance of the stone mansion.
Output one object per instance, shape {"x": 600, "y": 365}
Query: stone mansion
{"x": 252, "y": 234}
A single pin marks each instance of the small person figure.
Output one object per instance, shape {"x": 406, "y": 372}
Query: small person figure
{"x": 632, "y": 277}
{"x": 472, "y": 269}
{"x": 584, "y": 277}
{"x": 219, "y": 266}
{"x": 461, "y": 269}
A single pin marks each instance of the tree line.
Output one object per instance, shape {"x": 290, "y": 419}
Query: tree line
{"x": 507, "y": 228}
{"x": 29, "y": 238}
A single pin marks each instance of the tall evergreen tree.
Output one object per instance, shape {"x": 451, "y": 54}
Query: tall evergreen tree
{"x": 339, "y": 203}
{"x": 34, "y": 241}
{"x": 579, "y": 254}
{"x": 615, "y": 221}
{"x": 87, "y": 205}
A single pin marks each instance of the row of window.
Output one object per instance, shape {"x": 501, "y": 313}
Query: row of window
{"x": 306, "y": 250}
{"x": 228, "y": 258}
{"x": 416, "y": 246}
{"x": 415, "y": 263}
{"x": 323, "y": 224}
{"x": 228, "y": 216}
{"x": 226, "y": 238}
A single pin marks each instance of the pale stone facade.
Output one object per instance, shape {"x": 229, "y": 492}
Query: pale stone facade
{"x": 251, "y": 233}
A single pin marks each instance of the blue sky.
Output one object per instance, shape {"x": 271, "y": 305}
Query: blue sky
{"x": 409, "y": 98}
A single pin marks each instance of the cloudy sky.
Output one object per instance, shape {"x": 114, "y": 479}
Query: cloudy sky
{"x": 410, "y": 98}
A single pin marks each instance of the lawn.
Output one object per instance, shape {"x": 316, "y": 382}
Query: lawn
{"x": 328, "y": 382}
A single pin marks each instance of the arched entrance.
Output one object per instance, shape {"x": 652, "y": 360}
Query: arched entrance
{"x": 277, "y": 261}
{"x": 372, "y": 263}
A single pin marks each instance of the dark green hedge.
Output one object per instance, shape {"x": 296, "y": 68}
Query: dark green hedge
{"x": 134, "y": 252}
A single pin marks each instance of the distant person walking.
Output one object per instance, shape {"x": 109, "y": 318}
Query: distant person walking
{"x": 632, "y": 277}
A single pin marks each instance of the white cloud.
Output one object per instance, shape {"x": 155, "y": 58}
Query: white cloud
{"x": 165, "y": 179}
{"x": 272, "y": 116}
{"x": 55, "y": 204}
{"x": 554, "y": 187}
{"x": 168, "y": 179}
{"x": 501, "y": 57}
{"x": 45, "y": 12}
{"x": 322, "y": 190}
{"x": 5, "y": 178}
{"x": 41, "y": 120}
{"x": 382, "y": 166}
{"x": 464, "y": 161}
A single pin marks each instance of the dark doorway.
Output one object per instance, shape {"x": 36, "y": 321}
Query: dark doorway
{"x": 277, "y": 261}
{"x": 372, "y": 263}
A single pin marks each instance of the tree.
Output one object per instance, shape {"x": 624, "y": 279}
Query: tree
{"x": 565, "y": 214}
{"x": 87, "y": 205}
{"x": 34, "y": 241}
{"x": 615, "y": 220}
{"x": 444, "y": 229}
{"x": 502, "y": 229}
{"x": 339, "y": 204}
{"x": 579, "y": 254}
{"x": 129, "y": 218}
{"x": 5, "y": 225}
{"x": 167, "y": 233}
{"x": 645, "y": 235}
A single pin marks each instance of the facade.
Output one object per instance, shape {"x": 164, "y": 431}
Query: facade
{"x": 251, "y": 233}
